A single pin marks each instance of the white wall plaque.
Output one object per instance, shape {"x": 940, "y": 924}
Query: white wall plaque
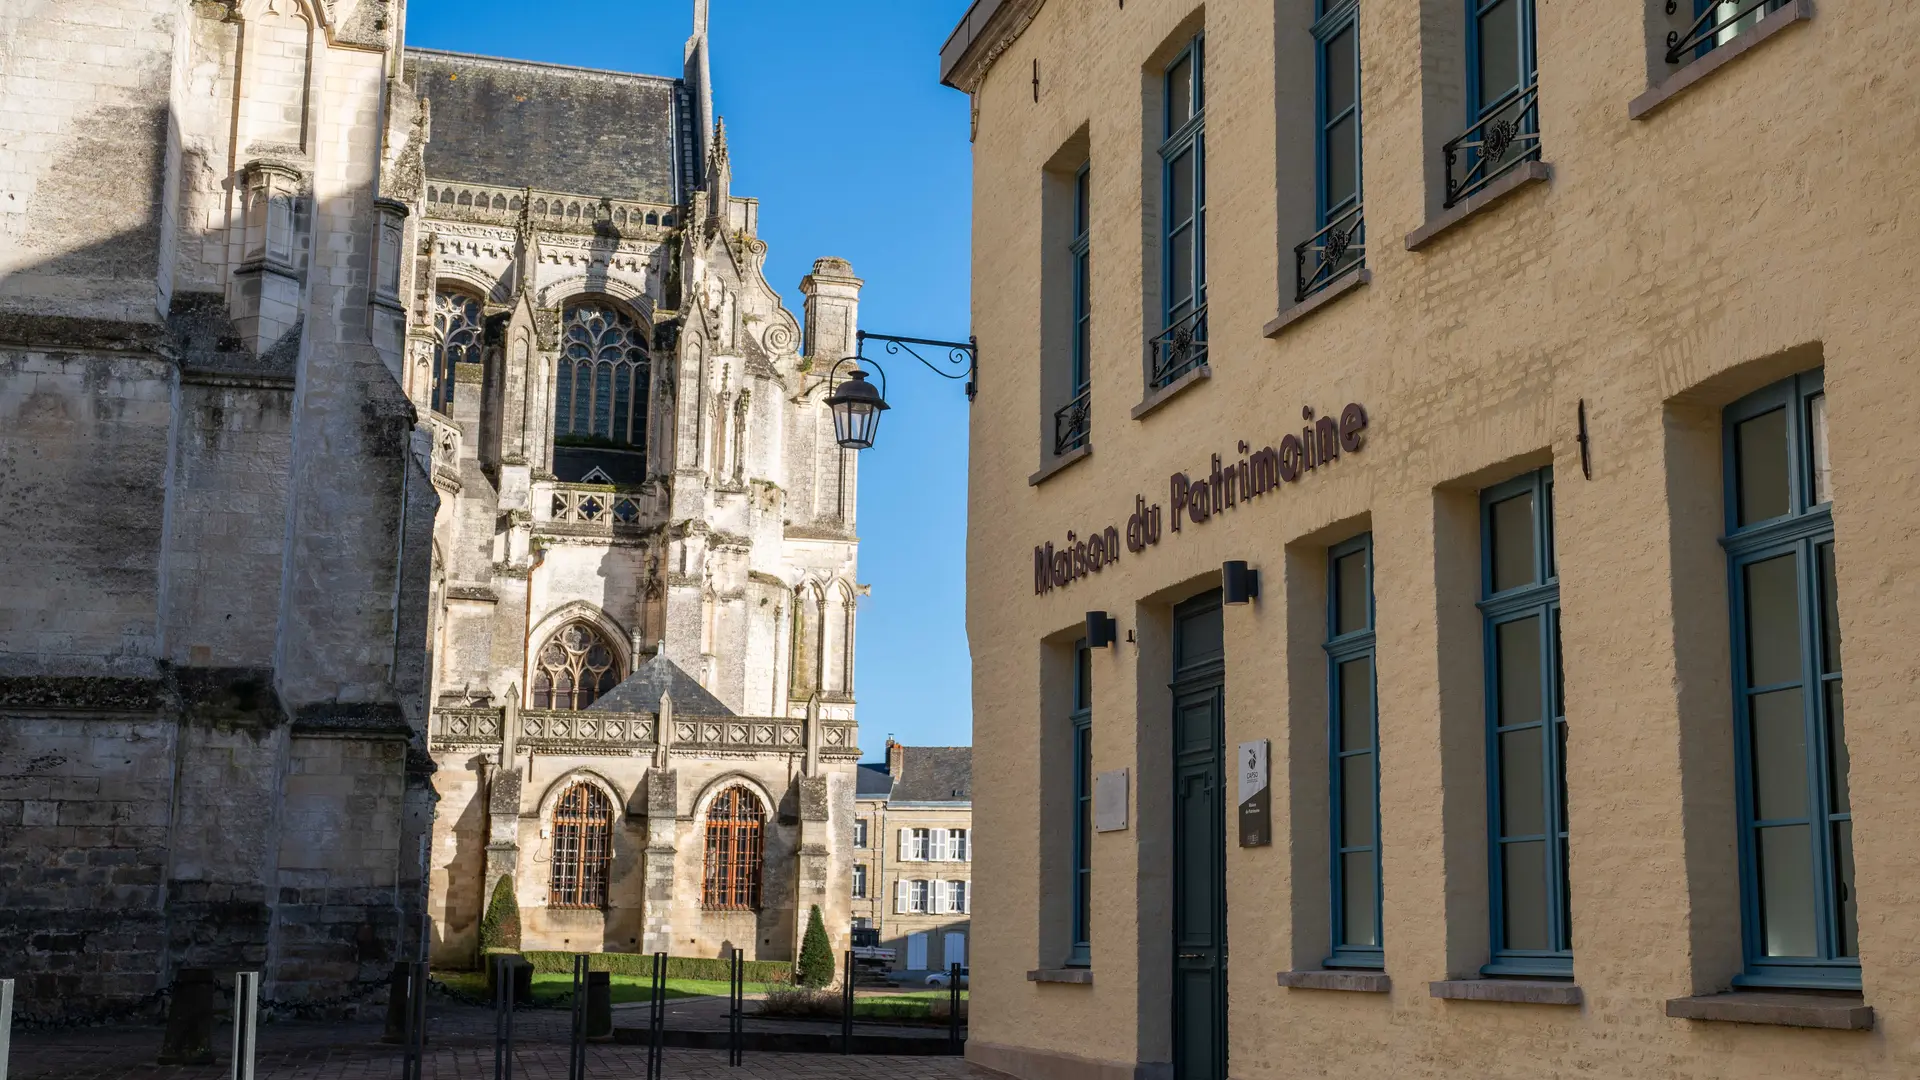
{"x": 1110, "y": 801}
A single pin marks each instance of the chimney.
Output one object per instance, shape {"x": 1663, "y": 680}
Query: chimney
{"x": 832, "y": 312}
{"x": 896, "y": 760}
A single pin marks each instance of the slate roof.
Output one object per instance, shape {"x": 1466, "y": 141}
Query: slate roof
{"x": 515, "y": 123}
{"x": 931, "y": 774}
{"x": 571, "y": 464}
{"x": 640, "y": 692}
{"x": 872, "y": 781}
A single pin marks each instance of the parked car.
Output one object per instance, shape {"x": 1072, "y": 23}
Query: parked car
{"x": 939, "y": 978}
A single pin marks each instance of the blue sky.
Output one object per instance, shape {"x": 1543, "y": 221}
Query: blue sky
{"x": 838, "y": 125}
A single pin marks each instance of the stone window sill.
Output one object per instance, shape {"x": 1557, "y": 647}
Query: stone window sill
{"x": 1358, "y": 982}
{"x": 1836, "y": 1012}
{"x": 1317, "y": 301}
{"x": 1078, "y": 453}
{"x": 1070, "y": 976}
{"x": 1533, "y": 172}
{"x": 1172, "y": 390}
{"x": 1797, "y": 12}
{"x": 1516, "y": 991}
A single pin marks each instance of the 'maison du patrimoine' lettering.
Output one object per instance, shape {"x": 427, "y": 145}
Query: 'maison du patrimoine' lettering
{"x": 1223, "y": 487}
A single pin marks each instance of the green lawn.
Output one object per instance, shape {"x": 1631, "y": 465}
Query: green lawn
{"x": 552, "y": 989}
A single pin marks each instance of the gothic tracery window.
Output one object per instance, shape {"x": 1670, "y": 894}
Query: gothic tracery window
{"x": 573, "y": 668}
{"x": 735, "y": 821}
{"x": 600, "y": 391}
{"x": 457, "y": 340}
{"x": 582, "y": 848}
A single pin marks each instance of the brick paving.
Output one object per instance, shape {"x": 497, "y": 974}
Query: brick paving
{"x": 461, "y": 1048}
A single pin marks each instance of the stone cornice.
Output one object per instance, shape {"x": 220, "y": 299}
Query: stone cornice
{"x": 988, "y": 30}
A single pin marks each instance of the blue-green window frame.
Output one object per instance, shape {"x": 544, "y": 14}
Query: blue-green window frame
{"x": 1080, "y": 949}
{"x": 1344, "y": 648}
{"x": 1334, "y": 16}
{"x": 1700, "y": 7}
{"x": 1538, "y": 599}
{"x": 1177, "y": 139}
{"x": 1081, "y": 375}
{"x": 1801, "y": 532}
{"x": 1479, "y": 104}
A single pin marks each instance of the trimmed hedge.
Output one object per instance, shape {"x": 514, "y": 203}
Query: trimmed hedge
{"x": 678, "y": 967}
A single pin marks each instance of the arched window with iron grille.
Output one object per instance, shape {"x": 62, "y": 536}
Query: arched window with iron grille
{"x": 582, "y": 848}
{"x": 457, "y": 340}
{"x": 735, "y": 826}
{"x": 600, "y": 390}
{"x": 573, "y": 668}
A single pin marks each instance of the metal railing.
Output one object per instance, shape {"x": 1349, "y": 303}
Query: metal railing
{"x": 1073, "y": 423}
{"x": 1506, "y": 136}
{"x": 1332, "y": 253}
{"x": 1179, "y": 348}
{"x": 1716, "y": 25}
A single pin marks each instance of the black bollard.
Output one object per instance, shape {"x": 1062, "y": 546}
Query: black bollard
{"x": 736, "y": 1021}
{"x": 415, "y": 1028}
{"x": 189, "y": 1037}
{"x": 953, "y": 1010}
{"x": 656, "y": 1017}
{"x": 846, "y": 1006}
{"x": 397, "y": 983}
{"x": 503, "y": 997}
{"x": 599, "y": 1004}
{"x": 577, "y": 1044}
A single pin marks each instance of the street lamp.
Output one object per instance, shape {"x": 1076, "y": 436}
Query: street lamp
{"x": 856, "y": 406}
{"x": 857, "y": 403}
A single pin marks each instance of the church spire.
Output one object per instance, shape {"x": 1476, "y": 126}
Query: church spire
{"x": 699, "y": 79}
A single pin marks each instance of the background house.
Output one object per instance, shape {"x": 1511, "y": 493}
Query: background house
{"x": 913, "y": 855}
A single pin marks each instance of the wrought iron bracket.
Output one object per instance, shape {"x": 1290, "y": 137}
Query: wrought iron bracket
{"x": 962, "y": 360}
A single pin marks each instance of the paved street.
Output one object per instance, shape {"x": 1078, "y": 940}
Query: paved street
{"x": 461, "y": 1049}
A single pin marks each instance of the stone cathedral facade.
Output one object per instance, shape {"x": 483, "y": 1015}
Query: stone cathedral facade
{"x": 403, "y": 488}
{"x": 644, "y": 561}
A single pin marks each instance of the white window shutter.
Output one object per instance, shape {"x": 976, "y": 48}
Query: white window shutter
{"x": 936, "y": 897}
{"x": 901, "y": 896}
{"x": 906, "y": 845}
{"x": 966, "y": 899}
{"x": 937, "y": 845}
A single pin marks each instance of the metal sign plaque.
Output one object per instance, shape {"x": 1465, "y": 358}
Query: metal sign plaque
{"x": 1110, "y": 801}
{"x": 1256, "y": 817}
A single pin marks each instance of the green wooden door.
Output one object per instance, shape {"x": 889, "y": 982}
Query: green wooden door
{"x": 1199, "y": 843}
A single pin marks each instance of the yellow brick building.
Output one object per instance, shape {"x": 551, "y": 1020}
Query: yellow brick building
{"x": 1561, "y": 416}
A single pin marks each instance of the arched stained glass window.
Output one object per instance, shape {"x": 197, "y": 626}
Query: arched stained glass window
{"x": 573, "y": 668}
{"x": 735, "y": 822}
{"x": 457, "y": 340}
{"x": 600, "y": 393}
{"x": 582, "y": 848}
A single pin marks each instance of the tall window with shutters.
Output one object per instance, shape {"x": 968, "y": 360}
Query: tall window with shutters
{"x": 1796, "y": 836}
{"x": 957, "y": 845}
{"x": 735, "y": 840}
{"x": 859, "y": 881}
{"x": 582, "y": 848}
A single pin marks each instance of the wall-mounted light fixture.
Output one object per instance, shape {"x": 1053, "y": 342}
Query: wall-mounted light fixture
{"x": 1239, "y": 582}
{"x": 1101, "y": 629}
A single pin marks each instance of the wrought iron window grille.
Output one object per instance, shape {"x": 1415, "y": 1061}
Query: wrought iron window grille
{"x": 1180, "y": 348}
{"x": 1073, "y": 422}
{"x": 1332, "y": 253}
{"x": 1506, "y": 136}
{"x": 1718, "y": 22}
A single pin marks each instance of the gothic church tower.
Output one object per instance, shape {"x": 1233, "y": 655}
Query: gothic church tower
{"x": 645, "y": 564}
